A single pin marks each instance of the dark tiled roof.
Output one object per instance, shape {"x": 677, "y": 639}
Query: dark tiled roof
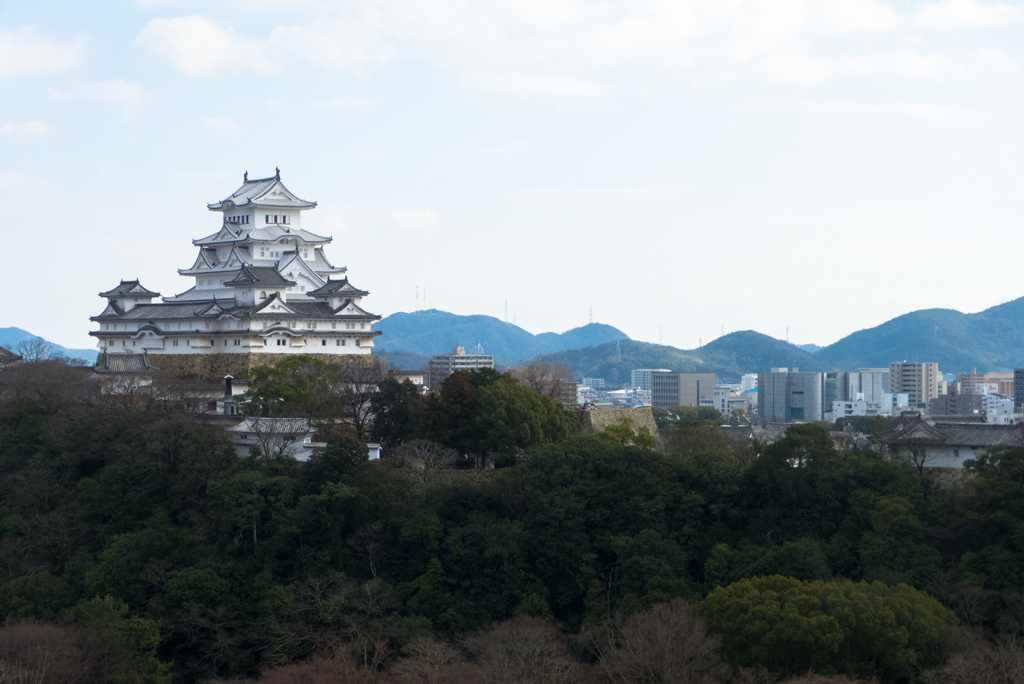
{"x": 8, "y": 357}
{"x": 109, "y": 362}
{"x": 127, "y": 288}
{"x": 981, "y": 435}
{"x": 200, "y": 308}
{"x": 336, "y": 287}
{"x": 912, "y": 431}
{"x": 259, "y": 276}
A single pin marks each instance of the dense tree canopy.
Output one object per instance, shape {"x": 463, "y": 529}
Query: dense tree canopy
{"x": 135, "y": 526}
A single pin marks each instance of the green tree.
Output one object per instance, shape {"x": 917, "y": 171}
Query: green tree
{"x": 397, "y": 408}
{"x": 856, "y": 628}
{"x": 129, "y": 643}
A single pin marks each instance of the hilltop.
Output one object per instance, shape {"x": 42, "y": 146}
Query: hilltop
{"x": 436, "y": 332}
{"x": 730, "y": 356}
{"x": 12, "y": 337}
{"x": 990, "y": 340}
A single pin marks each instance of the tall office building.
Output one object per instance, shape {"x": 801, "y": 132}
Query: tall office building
{"x": 871, "y": 382}
{"x": 920, "y": 381}
{"x": 641, "y": 377}
{"x": 784, "y": 397}
{"x": 1018, "y": 389}
{"x": 681, "y": 389}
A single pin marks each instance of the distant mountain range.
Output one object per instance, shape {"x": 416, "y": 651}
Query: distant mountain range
{"x": 730, "y": 356}
{"x": 990, "y": 340}
{"x": 12, "y": 337}
{"x": 436, "y": 332}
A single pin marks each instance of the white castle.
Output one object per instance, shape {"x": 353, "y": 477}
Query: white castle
{"x": 263, "y": 289}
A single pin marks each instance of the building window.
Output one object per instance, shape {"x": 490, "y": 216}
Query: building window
{"x": 263, "y": 295}
{"x": 334, "y": 326}
{"x": 267, "y": 216}
{"x": 343, "y": 343}
{"x": 323, "y": 343}
{"x": 337, "y": 343}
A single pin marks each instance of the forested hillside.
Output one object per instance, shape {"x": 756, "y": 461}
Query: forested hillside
{"x": 436, "y": 332}
{"x": 730, "y": 356}
{"x": 990, "y": 340}
{"x": 139, "y": 548}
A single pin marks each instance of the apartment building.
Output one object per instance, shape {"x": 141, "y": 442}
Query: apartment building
{"x": 443, "y": 365}
{"x": 920, "y": 381}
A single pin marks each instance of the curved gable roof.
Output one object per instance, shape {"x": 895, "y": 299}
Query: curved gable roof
{"x": 262, "y": 192}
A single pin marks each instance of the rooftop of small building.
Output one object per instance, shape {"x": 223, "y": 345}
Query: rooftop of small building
{"x": 123, "y": 362}
{"x": 129, "y": 288}
{"x": 265, "y": 192}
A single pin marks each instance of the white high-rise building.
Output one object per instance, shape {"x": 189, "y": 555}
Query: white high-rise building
{"x": 641, "y": 377}
{"x": 263, "y": 290}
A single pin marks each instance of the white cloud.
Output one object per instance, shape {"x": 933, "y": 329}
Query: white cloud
{"x": 128, "y": 96}
{"x": 515, "y": 83}
{"x": 959, "y": 14}
{"x": 25, "y": 129}
{"x": 417, "y": 220}
{"x": 217, "y": 125}
{"x": 197, "y": 46}
{"x": 919, "y": 110}
{"x": 344, "y": 102}
{"x": 23, "y": 52}
{"x": 572, "y": 48}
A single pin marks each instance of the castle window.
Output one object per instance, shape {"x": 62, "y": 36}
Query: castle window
{"x": 343, "y": 343}
{"x": 337, "y": 343}
{"x": 267, "y": 217}
{"x": 212, "y": 343}
{"x": 323, "y": 343}
{"x": 334, "y": 326}
{"x": 263, "y": 295}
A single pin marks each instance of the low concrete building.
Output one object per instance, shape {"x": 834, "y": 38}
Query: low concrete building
{"x": 682, "y": 389}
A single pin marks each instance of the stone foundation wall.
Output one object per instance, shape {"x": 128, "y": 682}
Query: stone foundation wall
{"x": 595, "y": 420}
{"x": 216, "y": 366}
{"x": 946, "y": 477}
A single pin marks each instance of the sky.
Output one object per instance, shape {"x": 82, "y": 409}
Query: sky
{"x": 675, "y": 168}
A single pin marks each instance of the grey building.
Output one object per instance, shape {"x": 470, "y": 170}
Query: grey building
{"x": 956, "y": 404}
{"x": 443, "y": 365}
{"x": 784, "y": 397}
{"x": 681, "y": 389}
{"x": 1018, "y": 389}
{"x": 871, "y": 382}
{"x": 641, "y": 377}
{"x": 919, "y": 380}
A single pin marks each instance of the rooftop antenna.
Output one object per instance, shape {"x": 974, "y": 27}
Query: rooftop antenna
{"x": 245, "y": 177}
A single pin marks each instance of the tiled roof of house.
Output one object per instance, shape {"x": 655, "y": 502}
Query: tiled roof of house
{"x": 110, "y": 362}
{"x": 259, "y": 276}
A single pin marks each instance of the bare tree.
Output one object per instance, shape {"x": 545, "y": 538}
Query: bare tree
{"x": 277, "y": 436}
{"x": 553, "y": 380}
{"x": 360, "y": 384}
{"x": 432, "y": 662}
{"x": 37, "y": 349}
{"x": 981, "y": 662}
{"x": 666, "y": 644}
{"x": 334, "y": 667}
{"x": 44, "y": 653}
{"x": 427, "y": 456}
{"x": 525, "y": 650}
